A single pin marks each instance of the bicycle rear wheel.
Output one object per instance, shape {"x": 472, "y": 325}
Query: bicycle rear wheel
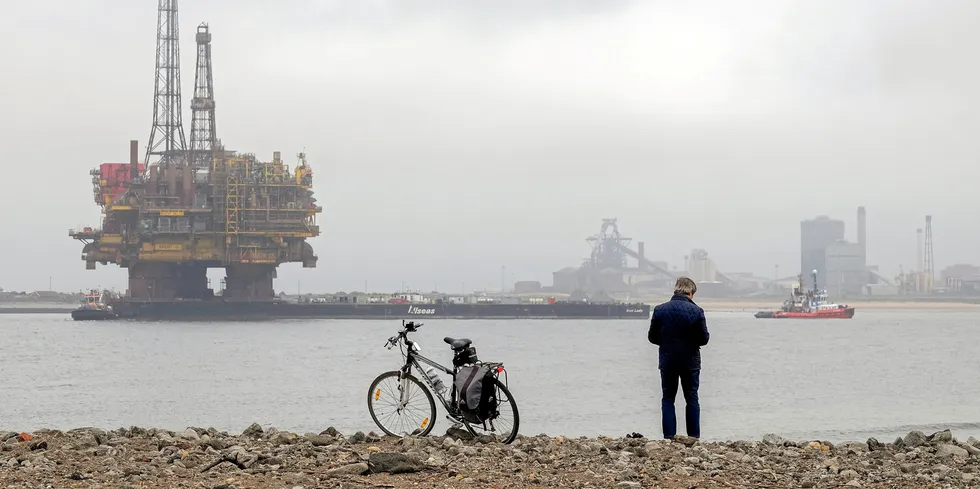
{"x": 413, "y": 414}
{"x": 504, "y": 419}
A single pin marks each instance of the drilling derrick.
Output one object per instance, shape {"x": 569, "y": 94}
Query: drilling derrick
{"x": 167, "y": 134}
{"x": 201, "y": 206}
{"x": 203, "y": 139}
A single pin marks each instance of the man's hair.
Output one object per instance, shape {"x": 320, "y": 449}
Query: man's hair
{"x": 685, "y": 286}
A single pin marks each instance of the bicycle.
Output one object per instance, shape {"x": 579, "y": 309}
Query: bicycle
{"x": 419, "y": 421}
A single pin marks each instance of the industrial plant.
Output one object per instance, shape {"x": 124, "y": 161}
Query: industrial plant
{"x": 192, "y": 206}
{"x": 614, "y": 268}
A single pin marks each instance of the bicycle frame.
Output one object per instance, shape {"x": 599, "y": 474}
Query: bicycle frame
{"x": 416, "y": 359}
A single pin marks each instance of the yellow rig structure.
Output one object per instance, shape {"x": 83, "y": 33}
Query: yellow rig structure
{"x": 172, "y": 224}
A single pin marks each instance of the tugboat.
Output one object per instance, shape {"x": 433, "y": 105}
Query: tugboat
{"x": 808, "y": 304}
{"x": 93, "y": 308}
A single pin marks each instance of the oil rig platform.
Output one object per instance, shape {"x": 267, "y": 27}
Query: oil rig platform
{"x": 189, "y": 207}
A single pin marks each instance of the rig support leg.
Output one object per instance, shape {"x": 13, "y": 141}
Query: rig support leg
{"x": 156, "y": 282}
{"x": 150, "y": 282}
{"x": 249, "y": 283}
{"x": 192, "y": 280}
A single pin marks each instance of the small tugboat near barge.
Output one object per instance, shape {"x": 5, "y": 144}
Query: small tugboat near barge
{"x": 93, "y": 308}
{"x": 809, "y": 304}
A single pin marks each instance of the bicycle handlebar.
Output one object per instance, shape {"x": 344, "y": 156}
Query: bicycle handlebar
{"x": 409, "y": 327}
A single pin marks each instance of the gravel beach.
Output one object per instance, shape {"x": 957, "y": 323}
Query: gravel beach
{"x": 268, "y": 458}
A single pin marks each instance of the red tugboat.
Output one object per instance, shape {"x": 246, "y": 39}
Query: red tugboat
{"x": 809, "y": 304}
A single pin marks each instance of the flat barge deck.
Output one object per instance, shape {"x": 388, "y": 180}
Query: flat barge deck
{"x": 218, "y": 310}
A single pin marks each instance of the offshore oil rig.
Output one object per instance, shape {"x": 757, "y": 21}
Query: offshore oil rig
{"x": 197, "y": 206}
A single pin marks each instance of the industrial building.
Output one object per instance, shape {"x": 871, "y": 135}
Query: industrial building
{"x": 841, "y": 265}
{"x": 614, "y": 267}
{"x": 962, "y": 279}
{"x": 197, "y": 205}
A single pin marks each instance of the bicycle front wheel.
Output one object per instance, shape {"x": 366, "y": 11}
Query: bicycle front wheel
{"x": 400, "y": 405}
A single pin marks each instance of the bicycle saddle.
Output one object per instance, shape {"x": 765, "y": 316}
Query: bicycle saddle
{"x": 458, "y": 344}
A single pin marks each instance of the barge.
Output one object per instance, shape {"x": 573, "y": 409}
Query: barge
{"x": 217, "y": 309}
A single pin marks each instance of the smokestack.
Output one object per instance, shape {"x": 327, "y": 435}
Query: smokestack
{"x": 640, "y": 250}
{"x": 134, "y": 155}
{"x": 863, "y": 232}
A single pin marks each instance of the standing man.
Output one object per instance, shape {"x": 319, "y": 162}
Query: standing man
{"x": 679, "y": 327}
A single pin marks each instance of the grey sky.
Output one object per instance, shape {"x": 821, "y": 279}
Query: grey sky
{"x": 450, "y": 138}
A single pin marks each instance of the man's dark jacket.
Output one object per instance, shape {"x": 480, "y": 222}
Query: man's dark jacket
{"x": 678, "y": 326}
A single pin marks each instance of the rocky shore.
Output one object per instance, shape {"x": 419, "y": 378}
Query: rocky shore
{"x": 268, "y": 458}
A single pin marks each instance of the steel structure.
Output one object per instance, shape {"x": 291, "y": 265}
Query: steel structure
{"x": 607, "y": 247}
{"x": 167, "y": 133}
{"x": 203, "y": 132}
{"x": 170, "y": 221}
{"x": 929, "y": 268}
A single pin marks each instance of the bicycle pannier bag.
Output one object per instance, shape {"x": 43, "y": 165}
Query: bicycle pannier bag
{"x": 475, "y": 386}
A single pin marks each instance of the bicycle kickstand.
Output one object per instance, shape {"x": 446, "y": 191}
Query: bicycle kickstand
{"x": 455, "y": 424}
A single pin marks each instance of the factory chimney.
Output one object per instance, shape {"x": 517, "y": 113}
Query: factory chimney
{"x": 640, "y": 252}
{"x": 863, "y": 232}
{"x": 134, "y": 155}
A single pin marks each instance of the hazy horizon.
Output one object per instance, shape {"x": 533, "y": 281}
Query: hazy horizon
{"x": 449, "y": 139}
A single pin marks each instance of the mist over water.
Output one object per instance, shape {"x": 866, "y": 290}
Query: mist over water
{"x": 880, "y": 374}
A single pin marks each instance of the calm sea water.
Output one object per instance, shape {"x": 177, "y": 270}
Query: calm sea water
{"x": 879, "y": 374}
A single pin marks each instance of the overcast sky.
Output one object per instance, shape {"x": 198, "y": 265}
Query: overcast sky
{"x": 450, "y": 138}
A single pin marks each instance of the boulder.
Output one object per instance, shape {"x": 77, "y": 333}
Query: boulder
{"x": 394, "y": 463}
{"x": 254, "y": 431}
{"x": 914, "y": 439}
{"x": 950, "y": 450}
{"x": 944, "y": 436}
